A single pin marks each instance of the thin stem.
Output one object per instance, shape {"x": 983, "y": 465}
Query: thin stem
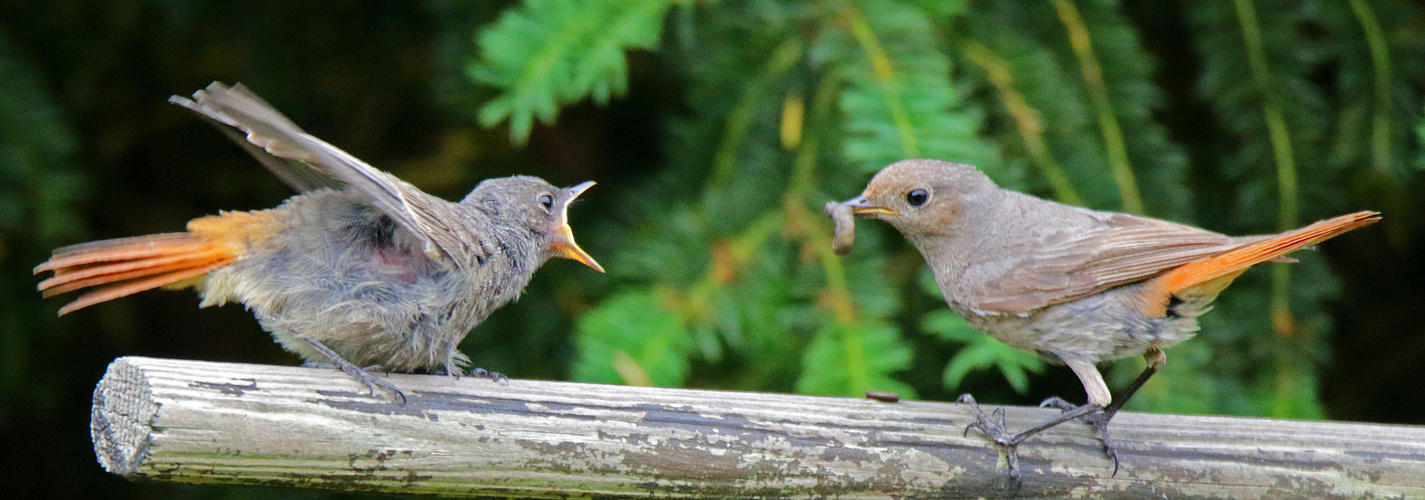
{"x": 1102, "y": 105}
{"x": 838, "y": 295}
{"x": 1026, "y": 120}
{"x": 1380, "y": 59}
{"x": 885, "y": 76}
{"x": 739, "y": 120}
{"x": 1286, "y": 164}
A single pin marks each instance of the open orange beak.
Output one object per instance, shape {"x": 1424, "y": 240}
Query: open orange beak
{"x": 563, "y": 243}
{"x": 862, "y": 206}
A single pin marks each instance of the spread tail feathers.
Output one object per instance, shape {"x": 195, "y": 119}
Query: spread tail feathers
{"x": 1233, "y": 262}
{"x": 125, "y": 266}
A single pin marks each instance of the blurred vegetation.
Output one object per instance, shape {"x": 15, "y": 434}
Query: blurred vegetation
{"x": 716, "y": 131}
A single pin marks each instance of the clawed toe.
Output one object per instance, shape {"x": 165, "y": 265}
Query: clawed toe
{"x": 1099, "y": 422}
{"x": 372, "y": 383}
{"x": 1058, "y": 402}
{"x": 360, "y": 374}
{"x": 993, "y": 427}
{"x": 483, "y": 373}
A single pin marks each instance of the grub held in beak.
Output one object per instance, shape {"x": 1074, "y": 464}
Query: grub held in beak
{"x": 562, "y": 243}
{"x": 862, "y": 206}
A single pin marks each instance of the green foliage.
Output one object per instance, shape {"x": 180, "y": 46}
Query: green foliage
{"x": 38, "y": 185}
{"x": 899, "y": 101}
{"x": 787, "y": 102}
{"x": 716, "y": 131}
{"x": 551, "y": 53}
{"x": 980, "y": 352}
{"x": 633, "y": 339}
{"x": 848, "y": 359}
{"x": 1261, "y": 90}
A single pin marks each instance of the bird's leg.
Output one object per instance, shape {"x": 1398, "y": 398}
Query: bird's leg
{"x": 1099, "y": 420}
{"x": 452, "y": 368}
{"x": 1099, "y": 401}
{"x": 483, "y": 373}
{"x": 321, "y": 365}
{"x": 1155, "y": 359}
{"x": 360, "y": 374}
{"x": 1009, "y": 442}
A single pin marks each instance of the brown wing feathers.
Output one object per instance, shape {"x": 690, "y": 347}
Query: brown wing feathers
{"x": 1239, "y": 259}
{"x": 1138, "y": 249}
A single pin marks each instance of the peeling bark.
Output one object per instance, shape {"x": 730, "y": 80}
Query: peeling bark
{"x": 225, "y": 423}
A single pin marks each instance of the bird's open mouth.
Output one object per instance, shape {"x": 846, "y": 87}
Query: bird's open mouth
{"x": 563, "y": 243}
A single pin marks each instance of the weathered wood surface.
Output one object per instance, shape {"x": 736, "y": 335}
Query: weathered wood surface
{"x": 225, "y": 423}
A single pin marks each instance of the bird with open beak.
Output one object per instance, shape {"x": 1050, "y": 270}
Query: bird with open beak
{"x": 1076, "y": 286}
{"x": 360, "y": 269}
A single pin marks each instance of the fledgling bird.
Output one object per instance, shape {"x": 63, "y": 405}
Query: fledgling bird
{"x": 1076, "y": 286}
{"x": 360, "y": 269}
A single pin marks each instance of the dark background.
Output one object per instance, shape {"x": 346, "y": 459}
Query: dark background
{"x": 95, "y": 152}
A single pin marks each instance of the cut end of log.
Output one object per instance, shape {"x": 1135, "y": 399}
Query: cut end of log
{"x": 230, "y": 423}
{"x": 121, "y": 420}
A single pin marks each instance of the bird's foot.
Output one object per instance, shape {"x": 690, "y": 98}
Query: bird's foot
{"x": 1096, "y": 419}
{"x": 483, "y": 373}
{"x": 474, "y": 372}
{"x": 365, "y": 376}
{"x": 360, "y": 374}
{"x": 333, "y": 366}
{"x": 372, "y": 382}
{"x": 1009, "y": 442}
{"x": 992, "y": 426}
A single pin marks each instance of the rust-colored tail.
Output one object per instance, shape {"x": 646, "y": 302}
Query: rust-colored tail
{"x": 125, "y": 266}
{"x": 1233, "y": 262}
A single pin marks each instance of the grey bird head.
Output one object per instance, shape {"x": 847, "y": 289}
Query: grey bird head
{"x": 537, "y": 206}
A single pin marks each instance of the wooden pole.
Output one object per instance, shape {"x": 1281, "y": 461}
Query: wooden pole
{"x": 225, "y": 423}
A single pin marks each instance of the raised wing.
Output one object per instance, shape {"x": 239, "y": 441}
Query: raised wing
{"x": 306, "y": 162}
{"x": 1072, "y": 265}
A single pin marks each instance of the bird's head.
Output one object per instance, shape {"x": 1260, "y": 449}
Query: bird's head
{"x": 539, "y": 207}
{"x": 919, "y": 197}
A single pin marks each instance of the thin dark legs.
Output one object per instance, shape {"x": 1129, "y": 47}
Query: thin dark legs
{"x": 992, "y": 426}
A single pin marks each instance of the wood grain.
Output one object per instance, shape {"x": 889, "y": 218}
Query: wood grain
{"x": 226, "y": 423}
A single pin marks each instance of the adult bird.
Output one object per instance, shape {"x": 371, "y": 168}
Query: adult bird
{"x": 1076, "y": 286}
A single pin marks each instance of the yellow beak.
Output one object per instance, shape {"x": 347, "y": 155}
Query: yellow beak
{"x": 563, "y": 242}
{"x": 862, "y": 206}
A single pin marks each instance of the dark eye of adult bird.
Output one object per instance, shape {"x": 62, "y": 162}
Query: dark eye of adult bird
{"x": 1076, "y": 286}
{"x": 917, "y": 198}
{"x": 547, "y": 202}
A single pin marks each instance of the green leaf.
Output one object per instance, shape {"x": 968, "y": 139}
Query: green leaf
{"x": 850, "y": 359}
{"x": 1024, "y": 51}
{"x": 634, "y": 339}
{"x": 900, "y": 101}
{"x": 981, "y": 352}
{"x": 551, "y": 53}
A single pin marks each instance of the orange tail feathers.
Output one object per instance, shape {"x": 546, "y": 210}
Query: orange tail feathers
{"x": 1233, "y": 262}
{"x": 125, "y": 266}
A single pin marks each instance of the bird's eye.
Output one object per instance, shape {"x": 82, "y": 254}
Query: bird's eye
{"x": 917, "y": 197}
{"x": 547, "y": 202}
